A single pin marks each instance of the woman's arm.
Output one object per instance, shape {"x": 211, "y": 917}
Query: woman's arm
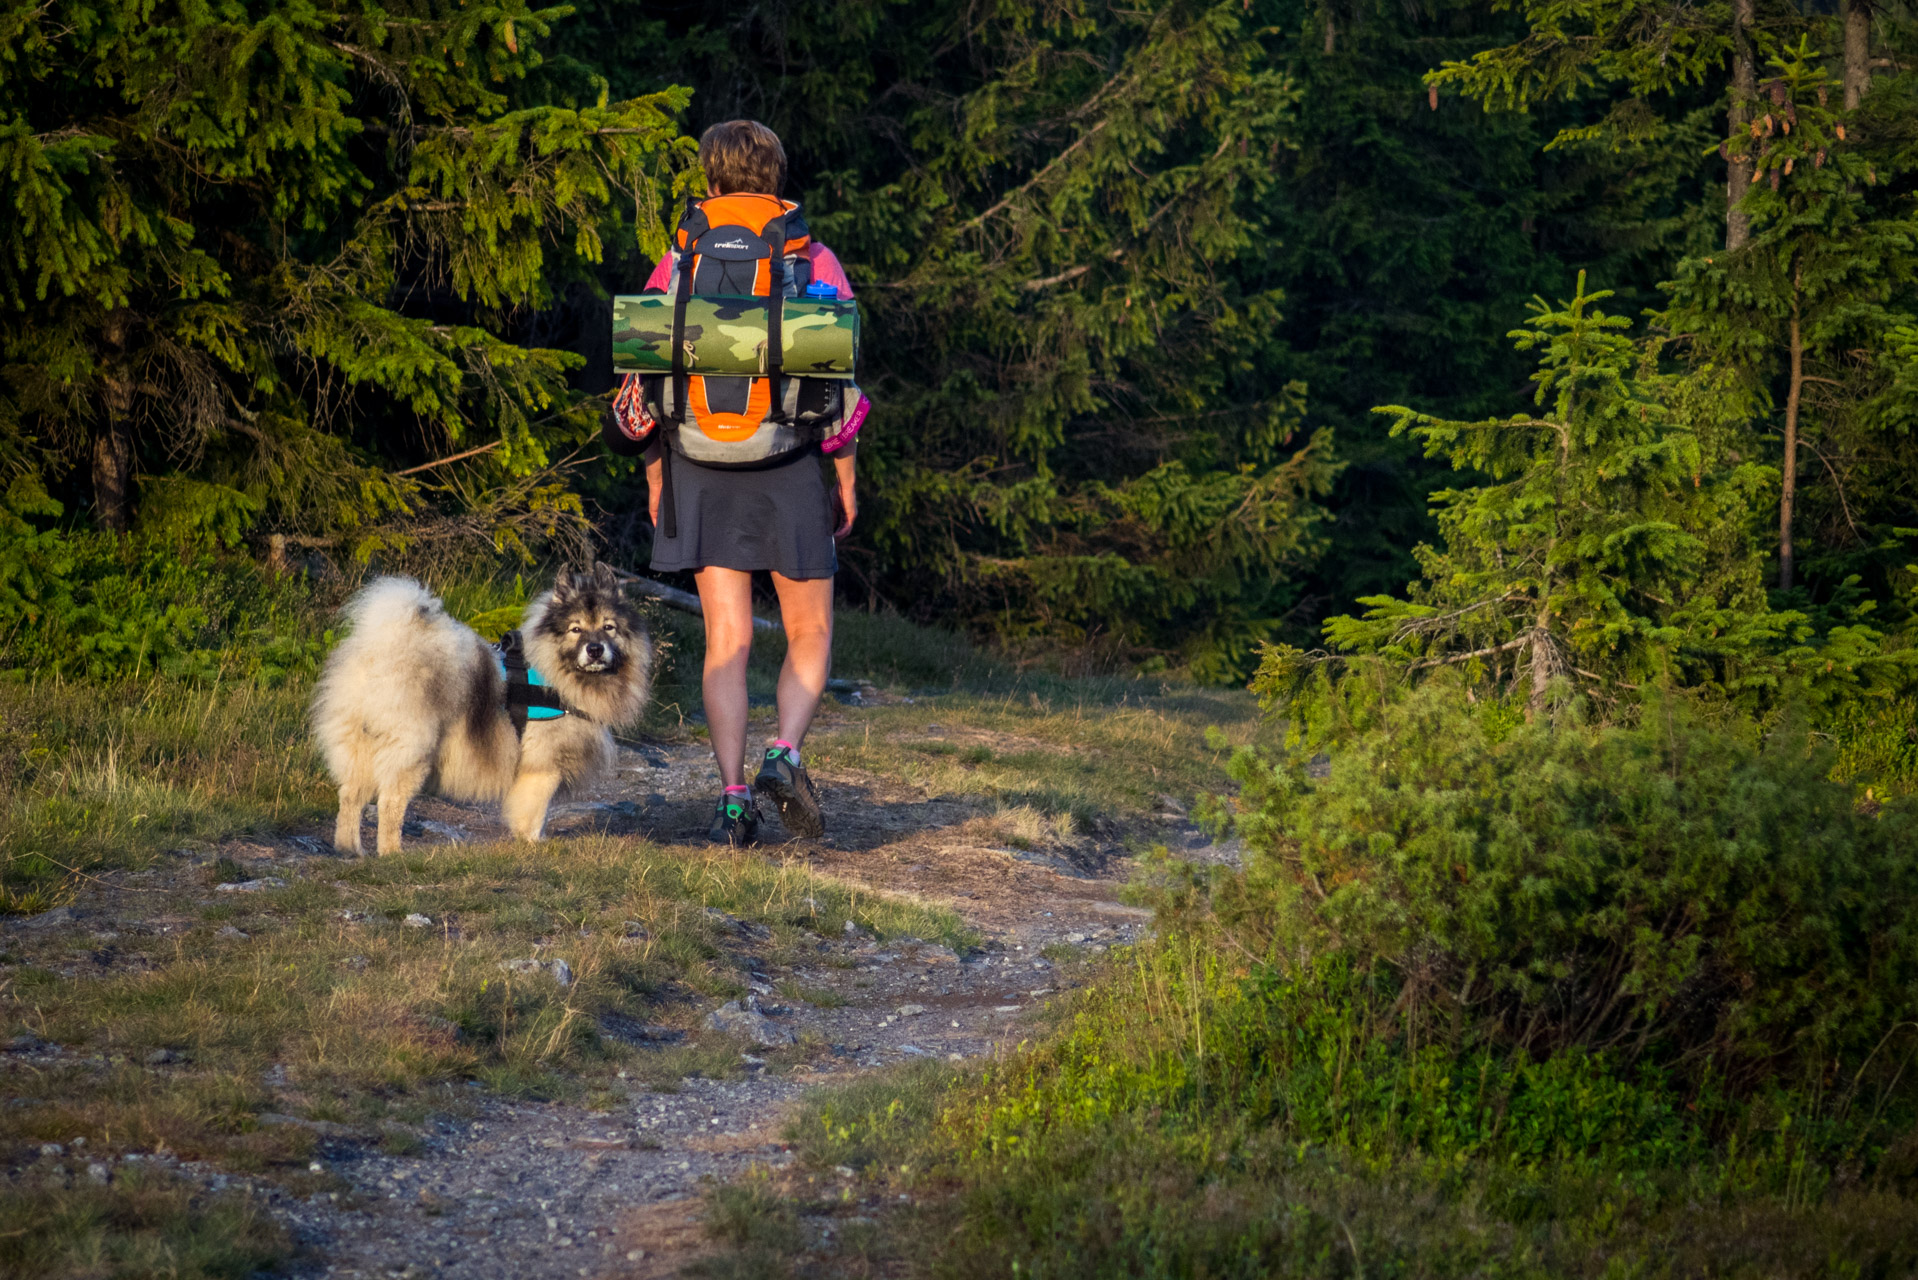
{"x": 843, "y": 468}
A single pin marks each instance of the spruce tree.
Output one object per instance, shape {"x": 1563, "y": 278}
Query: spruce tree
{"x": 1606, "y": 545}
{"x": 1814, "y": 303}
{"x": 259, "y": 255}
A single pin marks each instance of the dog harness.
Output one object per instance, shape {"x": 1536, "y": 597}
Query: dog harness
{"x": 528, "y": 696}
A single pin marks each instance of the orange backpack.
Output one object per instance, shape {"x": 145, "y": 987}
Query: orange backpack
{"x": 736, "y": 246}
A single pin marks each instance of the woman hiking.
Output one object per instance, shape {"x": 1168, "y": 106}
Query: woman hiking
{"x": 735, "y": 482}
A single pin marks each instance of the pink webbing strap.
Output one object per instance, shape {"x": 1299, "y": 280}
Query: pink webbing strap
{"x": 844, "y": 436}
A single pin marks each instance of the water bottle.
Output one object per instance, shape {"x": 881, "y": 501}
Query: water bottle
{"x": 820, "y": 291}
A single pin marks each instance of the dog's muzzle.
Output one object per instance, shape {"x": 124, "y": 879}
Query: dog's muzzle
{"x": 596, "y": 655}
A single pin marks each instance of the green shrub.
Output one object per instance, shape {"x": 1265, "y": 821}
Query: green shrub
{"x": 1688, "y": 894}
{"x": 97, "y": 606}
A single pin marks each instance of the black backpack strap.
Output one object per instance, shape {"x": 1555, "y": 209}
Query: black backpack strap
{"x": 775, "y": 234}
{"x": 668, "y": 511}
{"x": 684, "y": 293}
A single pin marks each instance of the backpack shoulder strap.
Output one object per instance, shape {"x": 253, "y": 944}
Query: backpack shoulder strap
{"x": 775, "y": 313}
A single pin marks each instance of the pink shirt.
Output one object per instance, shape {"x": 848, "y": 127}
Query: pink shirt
{"x": 825, "y": 269}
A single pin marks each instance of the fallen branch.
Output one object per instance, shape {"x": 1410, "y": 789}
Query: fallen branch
{"x": 440, "y": 462}
{"x": 685, "y": 601}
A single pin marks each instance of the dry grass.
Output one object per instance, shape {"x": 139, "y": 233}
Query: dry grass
{"x": 96, "y": 776}
{"x": 1105, "y": 748}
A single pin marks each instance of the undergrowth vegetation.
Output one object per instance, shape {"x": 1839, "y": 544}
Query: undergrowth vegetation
{"x": 1489, "y": 997}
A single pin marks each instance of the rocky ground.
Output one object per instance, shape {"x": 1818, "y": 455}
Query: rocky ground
{"x": 504, "y": 1188}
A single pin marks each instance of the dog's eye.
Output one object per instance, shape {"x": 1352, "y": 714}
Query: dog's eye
{"x": 573, "y": 630}
{"x": 607, "y": 627}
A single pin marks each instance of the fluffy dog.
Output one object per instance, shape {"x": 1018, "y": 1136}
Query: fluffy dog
{"x": 414, "y": 700}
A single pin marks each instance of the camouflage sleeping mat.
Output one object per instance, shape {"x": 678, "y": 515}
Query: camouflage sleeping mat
{"x": 728, "y": 335}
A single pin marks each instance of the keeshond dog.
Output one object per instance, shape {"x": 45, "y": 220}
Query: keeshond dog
{"x": 414, "y": 700}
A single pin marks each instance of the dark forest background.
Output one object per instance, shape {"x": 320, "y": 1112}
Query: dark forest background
{"x": 1135, "y": 279}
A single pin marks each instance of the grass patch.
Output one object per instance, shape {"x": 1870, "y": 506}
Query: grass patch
{"x": 147, "y": 1223}
{"x": 332, "y": 1001}
{"x": 95, "y": 776}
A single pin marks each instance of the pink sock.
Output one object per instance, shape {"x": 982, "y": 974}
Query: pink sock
{"x": 737, "y": 787}
{"x": 788, "y": 748}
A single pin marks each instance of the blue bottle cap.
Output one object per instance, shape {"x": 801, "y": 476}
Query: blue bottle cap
{"x": 820, "y": 289}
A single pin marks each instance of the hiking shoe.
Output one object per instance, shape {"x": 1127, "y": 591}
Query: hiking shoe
{"x": 735, "y": 820}
{"x": 786, "y": 783}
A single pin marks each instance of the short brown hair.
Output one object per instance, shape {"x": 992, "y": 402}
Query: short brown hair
{"x": 742, "y": 155}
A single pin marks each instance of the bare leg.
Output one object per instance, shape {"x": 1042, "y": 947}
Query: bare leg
{"x": 526, "y": 804}
{"x": 346, "y": 828}
{"x": 395, "y": 794}
{"x": 726, "y": 599}
{"x": 805, "y": 607}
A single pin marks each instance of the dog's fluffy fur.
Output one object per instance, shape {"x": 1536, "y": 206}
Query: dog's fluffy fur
{"x": 414, "y": 700}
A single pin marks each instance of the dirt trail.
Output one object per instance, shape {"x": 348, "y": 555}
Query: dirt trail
{"x": 529, "y": 1190}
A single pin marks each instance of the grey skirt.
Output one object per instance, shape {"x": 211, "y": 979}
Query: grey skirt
{"x": 777, "y": 518}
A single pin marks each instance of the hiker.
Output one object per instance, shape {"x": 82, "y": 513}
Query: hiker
{"x": 735, "y": 480}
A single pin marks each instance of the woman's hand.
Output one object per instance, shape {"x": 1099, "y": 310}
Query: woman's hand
{"x": 653, "y": 470}
{"x": 845, "y": 499}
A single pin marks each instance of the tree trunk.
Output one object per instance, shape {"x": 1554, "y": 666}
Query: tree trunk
{"x": 1331, "y": 30}
{"x": 1789, "y": 495}
{"x": 1857, "y": 52}
{"x": 113, "y": 434}
{"x": 1738, "y": 179}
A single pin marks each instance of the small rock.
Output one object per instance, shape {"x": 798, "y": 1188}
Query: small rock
{"x": 99, "y": 1172}
{"x": 29, "y": 1043}
{"x": 911, "y": 1010}
{"x": 1169, "y": 805}
{"x": 250, "y": 886}
{"x": 634, "y": 1255}
{"x": 635, "y": 932}
{"x": 356, "y": 963}
{"x": 52, "y": 1149}
{"x": 314, "y": 1166}
{"x": 1075, "y": 937}
{"x": 163, "y": 1057}
{"x": 415, "y": 920}
{"x": 49, "y": 919}
{"x": 237, "y": 935}
{"x": 353, "y": 917}
{"x": 852, "y": 930}
{"x": 558, "y": 970}
{"x": 740, "y": 1019}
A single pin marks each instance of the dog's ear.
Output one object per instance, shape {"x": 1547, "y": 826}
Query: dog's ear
{"x": 605, "y": 580}
{"x": 564, "y": 585}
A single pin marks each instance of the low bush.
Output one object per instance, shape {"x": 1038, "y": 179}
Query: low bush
{"x": 1691, "y": 894}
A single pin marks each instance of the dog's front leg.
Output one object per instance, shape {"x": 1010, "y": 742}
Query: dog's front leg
{"x": 525, "y": 807}
{"x": 396, "y": 793}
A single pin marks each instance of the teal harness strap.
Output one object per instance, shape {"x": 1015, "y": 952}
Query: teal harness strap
{"x": 528, "y": 696}
{"x": 538, "y": 711}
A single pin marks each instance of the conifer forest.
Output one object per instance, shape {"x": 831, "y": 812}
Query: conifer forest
{"x": 1375, "y": 681}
